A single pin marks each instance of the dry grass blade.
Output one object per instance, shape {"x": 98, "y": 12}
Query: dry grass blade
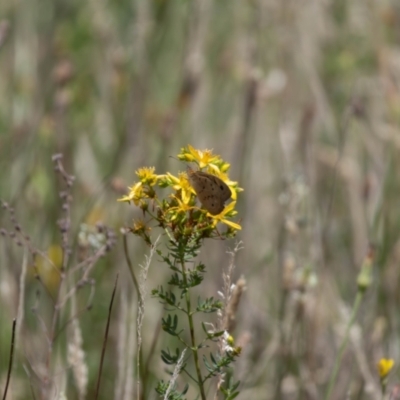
{"x": 105, "y": 339}
{"x": 11, "y": 359}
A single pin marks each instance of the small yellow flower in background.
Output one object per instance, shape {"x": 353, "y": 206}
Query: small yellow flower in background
{"x": 230, "y": 340}
{"x": 385, "y": 365}
{"x": 147, "y": 176}
{"x": 140, "y": 228}
{"x": 143, "y": 189}
{"x": 228, "y": 345}
{"x": 135, "y": 194}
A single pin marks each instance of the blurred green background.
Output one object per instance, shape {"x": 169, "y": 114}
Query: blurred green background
{"x": 301, "y": 97}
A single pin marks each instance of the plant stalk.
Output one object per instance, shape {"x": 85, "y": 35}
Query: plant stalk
{"x": 342, "y": 348}
{"x": 192, "y": 335}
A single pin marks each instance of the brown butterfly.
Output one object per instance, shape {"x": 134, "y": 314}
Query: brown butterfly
{"x": 212, "y": 191}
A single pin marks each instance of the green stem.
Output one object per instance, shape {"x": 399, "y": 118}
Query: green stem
{"x": 192, "y": 335}
{"x": 342, "y": 348}
{"x": 189, "y": 375}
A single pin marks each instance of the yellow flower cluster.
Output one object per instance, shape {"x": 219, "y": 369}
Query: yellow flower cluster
{"x": 142, "y": 189}
{"x": 178, "y": 211}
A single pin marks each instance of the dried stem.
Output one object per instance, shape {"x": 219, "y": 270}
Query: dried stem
{"x": 10, "y": 363}
{"x": 141, "y": 307}
{"x": 105, "y": 339}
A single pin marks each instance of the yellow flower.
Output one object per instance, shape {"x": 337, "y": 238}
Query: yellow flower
{"x": 182, "y": 207}
{"x": 384, "y": 366}
{"x": 230, "y": 340}
{"x": 139, "y": 191}
{"x": 229, "y": 345}
{"x": 177, "y": 214}
{"x": 200, "y": 157}
{"x": 135, "y": 194}
{"x": 181, "y": 183}
{"x": 147, "y": 176}
{"x": 229, "y": 209}
{"x": 139, "y": 227}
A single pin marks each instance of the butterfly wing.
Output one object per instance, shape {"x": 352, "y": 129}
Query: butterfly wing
{"x": 211, "y": 183}
{"x": 213, "y": 204}
{"x": 212, "y": 191}
{"x": 222, "y": 188}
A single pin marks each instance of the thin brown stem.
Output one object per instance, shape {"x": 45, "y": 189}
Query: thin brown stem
{"x": 146, "y": 369}
{"x": 105, "y": 339}
{"x": 10, "y": 363}
{"x": 130, "y": 267}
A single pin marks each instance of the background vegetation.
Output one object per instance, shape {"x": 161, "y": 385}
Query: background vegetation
{"x": 301, "y": 97}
